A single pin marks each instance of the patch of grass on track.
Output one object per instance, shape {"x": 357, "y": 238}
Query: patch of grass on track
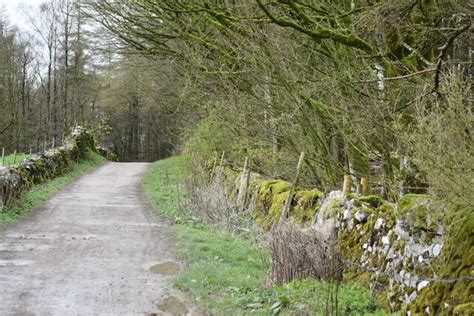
{"x": 226, "y": 273}
{"x": 35, "y": 197}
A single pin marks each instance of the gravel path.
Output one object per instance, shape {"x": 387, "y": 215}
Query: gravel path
{"x": 90, "y": 250}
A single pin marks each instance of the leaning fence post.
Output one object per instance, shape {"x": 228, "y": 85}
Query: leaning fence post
{"x": 221, "y": 167}
{"x": 346, "y": 187}
{"x": 214, "y": 166}
{"x": 244, "y": 183}
{"x": 286, "y": 207}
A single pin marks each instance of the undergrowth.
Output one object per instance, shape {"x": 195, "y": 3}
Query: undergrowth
{"x": 35, "y": 197}
{"x": 227, "y": 273}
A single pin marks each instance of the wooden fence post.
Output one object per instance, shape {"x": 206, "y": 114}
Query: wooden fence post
{"x": 221, "y": 167}
{"x": 214, "y": 166}
{"x": 14, "y": 157}
{"x": 286, "y": 207}
{"x": 244, "y": 183}
{"x": 365, "y": 186}
{"x": 53, "y": 143}
{"x": 346, "y": 187}
{"x": 3, "y": 157}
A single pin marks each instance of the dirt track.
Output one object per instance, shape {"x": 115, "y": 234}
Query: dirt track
{"x": 88, "y": 252}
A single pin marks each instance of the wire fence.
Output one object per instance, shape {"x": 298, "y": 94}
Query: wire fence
{"x": 378, "y": 271}
{"x": 12, "y": 157}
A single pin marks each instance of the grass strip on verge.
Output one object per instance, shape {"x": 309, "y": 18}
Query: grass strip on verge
{"x": 226, "y": 273}
{"x": 40, "y": 193}
{"x": 161, "y": 185}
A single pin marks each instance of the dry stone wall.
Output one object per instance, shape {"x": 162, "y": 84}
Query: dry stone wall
{"x": 41, "y": 167}
{"x": 417, "y": 256}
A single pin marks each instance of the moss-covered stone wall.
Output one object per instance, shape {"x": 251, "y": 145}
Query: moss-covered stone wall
{"x": 107, "y": 153}
{"x": 416, "y": 256}
{"x": 271, "y": 197}
{"x": 41, "y": 167}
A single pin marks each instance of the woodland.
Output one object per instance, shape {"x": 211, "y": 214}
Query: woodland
{"x": 378, "y": 90}
{"x": 376, "y": 94}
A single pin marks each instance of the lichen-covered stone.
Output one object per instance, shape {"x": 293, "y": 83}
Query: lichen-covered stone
{"x": 307, "y": 205}
{"x": 454, "y": 268}
{"x": 271, "y": 197}
{"x": 409, "y": 202}
{"x": 415, "y": 255}
{"x": 107, "y": 153}
{"x": 403, "y": 250}
{"x": 464, "y": 309}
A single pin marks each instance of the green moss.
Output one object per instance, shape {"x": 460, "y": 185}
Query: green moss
{"x": 455, "y": 262}
{"x": 307, "y": 205}
{"x": 464, "y": 309}
{"x": 271, "y": 198}
{"x": 278, "y": 201}
{"x": 388, "y": 212}
{"x": 410, "y": 201}
{"x": 411, "y": 61}
{"x": 351, "y": 243}
{"x": 111, "y": 155}
{"x": 366, "y": 210}
{"x": 373, "y": 200}
{"x": 48, "y": 165}
{"x": 274, "y": 187}
{"x": 330, "y": 209}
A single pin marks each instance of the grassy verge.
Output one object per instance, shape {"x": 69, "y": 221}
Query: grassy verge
{"x": 161, "y": 185}
{"x": 226, "y": 273}
{"x": 11, "y": 159}
{"x": 39, "y": 194}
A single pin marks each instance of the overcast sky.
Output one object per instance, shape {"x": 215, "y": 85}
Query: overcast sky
{"x": 14, "y": 11}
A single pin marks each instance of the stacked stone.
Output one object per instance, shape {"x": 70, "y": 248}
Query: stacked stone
{"x": 43, "y": 166}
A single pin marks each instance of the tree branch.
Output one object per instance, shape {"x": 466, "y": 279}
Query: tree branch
{"x": 400, "y": 77}
{"x": 442, "y": 54}
{"x": 321, "y": 32}
{"x": 9, "y": 124}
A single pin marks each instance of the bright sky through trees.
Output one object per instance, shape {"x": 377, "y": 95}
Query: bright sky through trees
{"x": 15, "y": 11}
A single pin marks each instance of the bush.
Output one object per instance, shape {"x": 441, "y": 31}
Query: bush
{"x": 440, "y": 143}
